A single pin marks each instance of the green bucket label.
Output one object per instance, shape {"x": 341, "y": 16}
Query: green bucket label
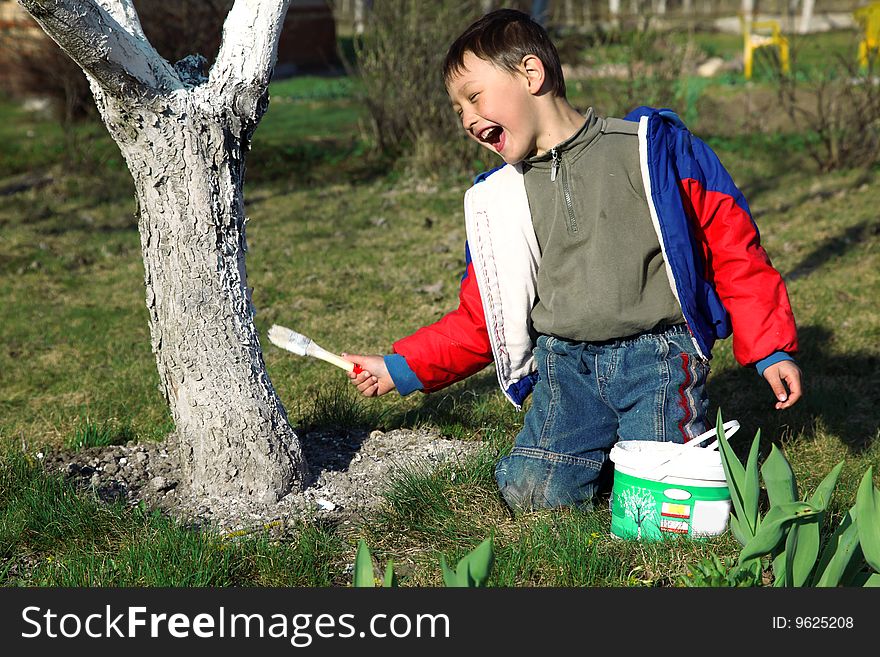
{"x": 644, "y": 509}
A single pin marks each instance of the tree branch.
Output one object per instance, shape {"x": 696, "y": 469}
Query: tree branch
{"x": 116, "y": 55}
{"x": 125, "y": 14}
{"x": 248, "y": 52}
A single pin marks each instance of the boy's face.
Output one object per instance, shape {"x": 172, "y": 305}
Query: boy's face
{"x": 496, "y": 108}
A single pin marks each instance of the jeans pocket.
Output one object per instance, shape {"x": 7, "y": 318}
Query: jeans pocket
{"x": 683, "y": 343}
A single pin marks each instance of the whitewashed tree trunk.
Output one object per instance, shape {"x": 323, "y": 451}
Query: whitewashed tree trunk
{"x": 614, "y": 12}
{"x": 806, "y": 17}
{"x": 184, "y": 137}
{"x": 361, "y": 9}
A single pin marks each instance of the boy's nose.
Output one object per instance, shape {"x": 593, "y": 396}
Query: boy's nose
{"x": 468, "y": 120}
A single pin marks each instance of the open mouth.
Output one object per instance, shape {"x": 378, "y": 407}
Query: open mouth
{"x": 494, "y": 136}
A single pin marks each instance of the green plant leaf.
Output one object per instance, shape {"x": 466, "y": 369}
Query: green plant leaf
{"x": 809, "y": 538}
{"x": 736, "y": 477}
{"x": 788, "y": 557}
{"x": 390, "y": 576}
{"x": 872, "y": 580}
{"x": 842, "y": 549}
{"x": 868, "y": 513}
{"x": 450, "y": 578}
{"x": 805, "y": 535}
{"x": 822, "y": 495}
{"x": 738, "y": 533}
{"x": 773, "y": 528}
{"x": 751, "y": 485}
{"x": 462, "y": 577}
{"x": 831, "y": 546}
{"x": 363, "y": 566}
{"x": 479, "y": 563}
{"x": 779, "y": 478}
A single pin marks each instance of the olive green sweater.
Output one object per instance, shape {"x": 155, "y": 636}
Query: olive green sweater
{"x": 601, "y": 275}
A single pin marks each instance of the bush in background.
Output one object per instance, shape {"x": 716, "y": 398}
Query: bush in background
{"x": 399, "y": 59}
{"x": 839, "y": 110}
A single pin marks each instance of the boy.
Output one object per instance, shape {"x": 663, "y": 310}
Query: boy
{"x": 603, "y": 260}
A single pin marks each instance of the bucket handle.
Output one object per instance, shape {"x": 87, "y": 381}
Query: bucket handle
{"x": 730, "y": 428}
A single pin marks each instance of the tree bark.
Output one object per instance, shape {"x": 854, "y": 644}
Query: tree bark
{"x": 184, "y": 137}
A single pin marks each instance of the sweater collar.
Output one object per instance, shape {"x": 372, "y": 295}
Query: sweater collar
{"x": 574, "y": 145}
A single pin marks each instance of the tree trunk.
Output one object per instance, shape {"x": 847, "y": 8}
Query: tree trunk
{"x": 806, "y": 17}
{"x": 184, "y": 137}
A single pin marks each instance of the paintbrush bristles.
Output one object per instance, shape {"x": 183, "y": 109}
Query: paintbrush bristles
{"x": 285, "y": 338}
{"x": 299, "y": 344}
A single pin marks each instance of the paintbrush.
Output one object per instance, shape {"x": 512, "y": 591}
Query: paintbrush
{"x": 301, "y": 345}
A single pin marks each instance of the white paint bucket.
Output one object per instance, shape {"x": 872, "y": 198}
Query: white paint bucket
{"x": 662, "y": 488}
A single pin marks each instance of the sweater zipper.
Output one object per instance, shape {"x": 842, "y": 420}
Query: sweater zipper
{"x": 555, "y": 164}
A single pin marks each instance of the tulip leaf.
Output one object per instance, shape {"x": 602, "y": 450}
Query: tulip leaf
{"x": 479, "y": 563}
{"x": 779, "y": 478}
{"x": 842, "y": 549}
{"x": 738, "y": 533}
{"x": 868, "y": 513}
{"x": 450, "y": 578}
{"x": 773, "y": 527}
{"x": 363, "y": 566}
{"x": 390, "y": 575}
{"x": 872, "y": 580}
{"x": 806, "y": 534}
{"x": 736, "y": 478}
{"x": 822, "y": 495}
{"x": 808, "y": 537}
{"x": 751, "y": 485}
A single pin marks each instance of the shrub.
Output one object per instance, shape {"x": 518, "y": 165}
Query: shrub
{"x": 399, "y": 59}
{"x": 839, "y": 110}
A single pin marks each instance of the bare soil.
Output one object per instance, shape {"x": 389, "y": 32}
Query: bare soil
{"x": 349, "y": 472}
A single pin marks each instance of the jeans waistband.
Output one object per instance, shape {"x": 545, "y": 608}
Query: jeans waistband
{"x": 662, "y": 329}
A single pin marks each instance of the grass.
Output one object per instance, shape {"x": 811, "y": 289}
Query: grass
{"x": 54, "y": 535}
{"x": 94, "y": 434}
{"x": 354, "y": 253}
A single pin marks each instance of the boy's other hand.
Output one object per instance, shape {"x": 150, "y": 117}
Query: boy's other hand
{"x": 784, "y": 378}
{"x": 374, "y": 379}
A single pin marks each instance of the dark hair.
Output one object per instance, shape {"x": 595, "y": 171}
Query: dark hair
{"x": 503, "y": 37}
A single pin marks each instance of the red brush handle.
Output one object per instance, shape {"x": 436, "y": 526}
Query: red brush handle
{"x": 357, "y": 369}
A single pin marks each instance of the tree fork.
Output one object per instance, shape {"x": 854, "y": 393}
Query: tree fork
{"x": 184, "y": 137}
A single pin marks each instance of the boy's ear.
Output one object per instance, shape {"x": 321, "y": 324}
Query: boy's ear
{"x": 533, "y": 68}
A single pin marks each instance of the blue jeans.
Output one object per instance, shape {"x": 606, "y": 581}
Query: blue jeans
{"x": 590, "y": 395}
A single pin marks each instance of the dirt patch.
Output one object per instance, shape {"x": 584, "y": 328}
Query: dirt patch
{"x": 349, "y": 472}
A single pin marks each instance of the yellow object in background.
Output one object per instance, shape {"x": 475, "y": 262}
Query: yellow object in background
{"x": 868, "y": 18}
{"x": 762, "y": 34}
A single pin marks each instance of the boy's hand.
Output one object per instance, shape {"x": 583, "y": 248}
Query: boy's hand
{"x": 781, "y": 375}
{"x": 374, "y": 379}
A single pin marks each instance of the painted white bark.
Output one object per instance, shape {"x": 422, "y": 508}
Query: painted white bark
{"x": 614, "y": 9}
{"x": 184, "y": 137}
{"x": 806, "y": 17}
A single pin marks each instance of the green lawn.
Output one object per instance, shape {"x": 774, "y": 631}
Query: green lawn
{"x": 353, "y": 252}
